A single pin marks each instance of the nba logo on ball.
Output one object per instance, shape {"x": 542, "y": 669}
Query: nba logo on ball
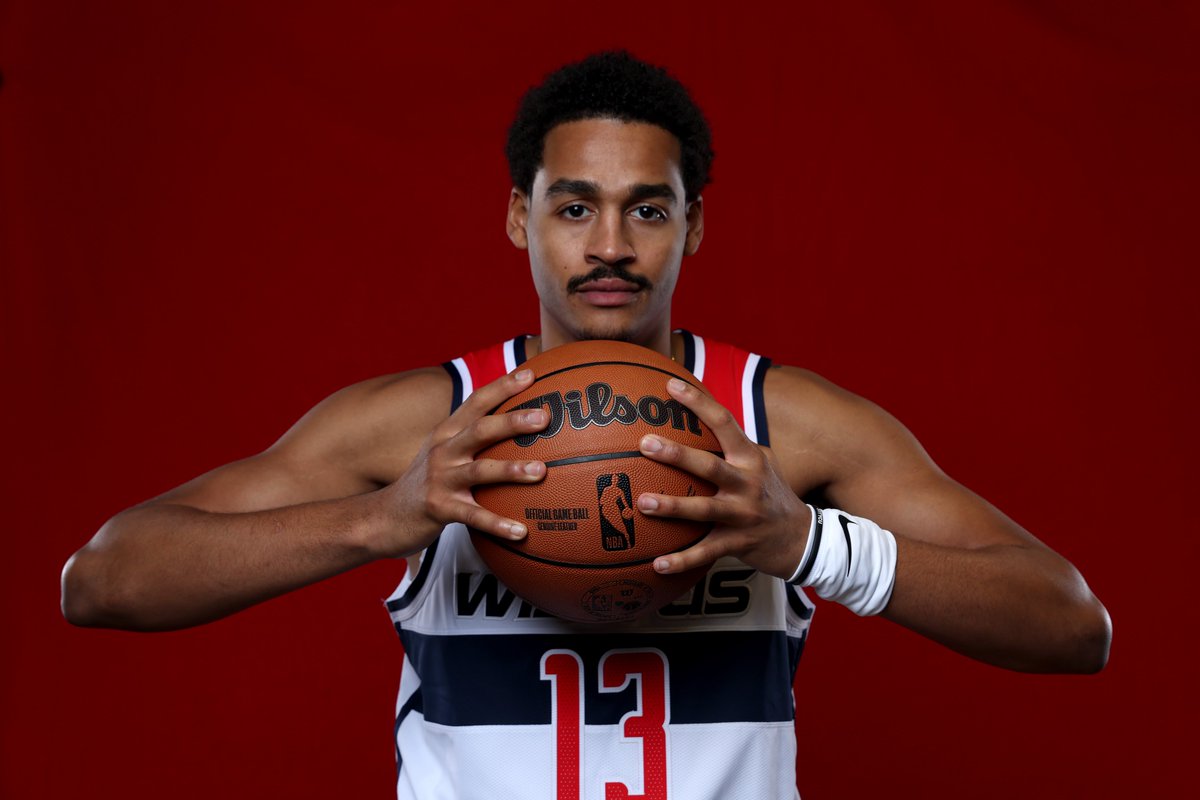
{"x": 616, "y": 511}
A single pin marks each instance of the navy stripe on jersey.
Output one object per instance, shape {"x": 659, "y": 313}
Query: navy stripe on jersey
{"x": 456, "y": 397}
{"x": 422, "y": 575}
{"x": 413, "y": 703}
{"x": 689, "y": 351}
{"x": 505, "y": 687}
{"x": 519, "y": 349}
{"x": 803, "y": 611}
{"x": 796, "y": 649}
{"x": 760, "y": 408}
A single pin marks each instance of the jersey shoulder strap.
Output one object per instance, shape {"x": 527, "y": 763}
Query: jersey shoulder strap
{"x": 481, "y": 367}
{"x": 735, "y": 378}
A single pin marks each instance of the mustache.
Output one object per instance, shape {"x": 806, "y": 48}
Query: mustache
{"x": 608, "y": 271}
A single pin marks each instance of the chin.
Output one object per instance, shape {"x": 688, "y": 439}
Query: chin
{"x": 618, "y": 336}
{"x": 615, "y": 333}
{"x": 621, "y": 325}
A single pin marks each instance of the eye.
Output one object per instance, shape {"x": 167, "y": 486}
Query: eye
{"x": 575, "y": 211}
{"x": 649, "y": 213}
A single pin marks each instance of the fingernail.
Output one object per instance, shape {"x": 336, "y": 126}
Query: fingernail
{"x": 651, "y": 444}
{"x": 534, "y": 417}
{"x": 523, "y": 375}
{"x": 647, "y": 503}
{"x": 533, "y": 468}
{"x": 676, "y": 385}
{"x": 516, "y": 530}
{"x": 662, "y": 565}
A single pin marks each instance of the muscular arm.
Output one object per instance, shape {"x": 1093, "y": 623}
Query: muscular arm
{"x": 967, "y": 576}
{"x": 372, "y": 472}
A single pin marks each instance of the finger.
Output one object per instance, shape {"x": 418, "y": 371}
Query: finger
{"x": 701, "y": 554}
{"x": 733, "y": 440}
{"x": 489, "y": 430}
{"x": 480, "y": 519}
{"x": 490, "y": 470}
{"x": 485, "y": 398}
{"x": 700, "y": 463}
{"x": 700, "y": 509}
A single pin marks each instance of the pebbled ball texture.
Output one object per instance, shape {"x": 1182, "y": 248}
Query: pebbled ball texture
{"x": 589, "y": 552}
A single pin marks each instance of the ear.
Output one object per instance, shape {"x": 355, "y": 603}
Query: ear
{"x": 695, "y": 226}
{"x": 518, "y": 215}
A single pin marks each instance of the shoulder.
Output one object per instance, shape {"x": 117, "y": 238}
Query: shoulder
{"x": 372, "y": 428}
{"x": 823, "y": 434}
{"x": 358, "y": 439}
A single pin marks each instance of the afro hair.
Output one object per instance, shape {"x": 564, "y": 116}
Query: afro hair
{"x": 609, "y": 85}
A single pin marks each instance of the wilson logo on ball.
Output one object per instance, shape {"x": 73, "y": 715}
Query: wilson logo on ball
{"x": 604, "y": 407}
{"x": 616, "y": 511}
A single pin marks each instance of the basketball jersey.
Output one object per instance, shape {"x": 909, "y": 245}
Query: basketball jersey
{"x": 500, "y": 700}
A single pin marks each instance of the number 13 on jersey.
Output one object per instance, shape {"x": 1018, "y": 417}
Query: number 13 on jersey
{"x": 646, "y": 724}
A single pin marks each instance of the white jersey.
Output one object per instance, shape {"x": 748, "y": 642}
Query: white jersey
{"x": 499, "y": 700}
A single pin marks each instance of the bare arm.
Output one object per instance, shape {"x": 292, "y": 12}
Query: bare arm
{"x": 373, "y": 472}
{"x": 967, "y": 576}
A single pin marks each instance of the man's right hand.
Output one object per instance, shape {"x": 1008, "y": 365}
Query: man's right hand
{"x": 436, "y": 488}
{"x": 374, "y": 471}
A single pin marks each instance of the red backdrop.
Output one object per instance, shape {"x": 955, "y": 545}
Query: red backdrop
{"x": 214, "y": 214}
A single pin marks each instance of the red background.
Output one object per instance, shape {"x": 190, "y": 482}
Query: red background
{"x": 214, "y": 214}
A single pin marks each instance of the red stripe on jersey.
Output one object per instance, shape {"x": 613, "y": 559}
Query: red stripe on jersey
{"x": 486, "y": 365}
{"x": 723, "y": 368}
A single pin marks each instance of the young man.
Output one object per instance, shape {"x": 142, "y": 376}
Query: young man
{"x": 608, "y": 159}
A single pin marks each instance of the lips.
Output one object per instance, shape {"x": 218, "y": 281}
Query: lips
{"x": 608, "y": 292}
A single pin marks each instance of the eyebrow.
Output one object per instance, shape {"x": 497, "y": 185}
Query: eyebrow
{"x": 639, "y": 191}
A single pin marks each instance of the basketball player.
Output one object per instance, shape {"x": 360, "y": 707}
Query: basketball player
{"x": 608, "y": 160}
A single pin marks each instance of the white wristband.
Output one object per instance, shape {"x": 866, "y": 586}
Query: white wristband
{"x": 854, "y": 566}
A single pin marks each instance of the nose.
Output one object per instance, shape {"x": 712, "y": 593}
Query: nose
{"x": 609, "y": 241}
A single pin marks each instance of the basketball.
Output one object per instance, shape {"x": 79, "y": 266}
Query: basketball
{"x": 589, "y": 552}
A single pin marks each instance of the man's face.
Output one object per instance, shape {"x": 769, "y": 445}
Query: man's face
{"x": 606, "y": 225}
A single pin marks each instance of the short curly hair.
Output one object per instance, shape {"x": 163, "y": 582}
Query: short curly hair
{"x": 613, "y": 85}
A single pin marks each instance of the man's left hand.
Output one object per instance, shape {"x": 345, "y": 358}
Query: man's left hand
{"x": 756, "y": 516}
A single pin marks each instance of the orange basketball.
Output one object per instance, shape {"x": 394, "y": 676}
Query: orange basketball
{"x": 589, "y": 552}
